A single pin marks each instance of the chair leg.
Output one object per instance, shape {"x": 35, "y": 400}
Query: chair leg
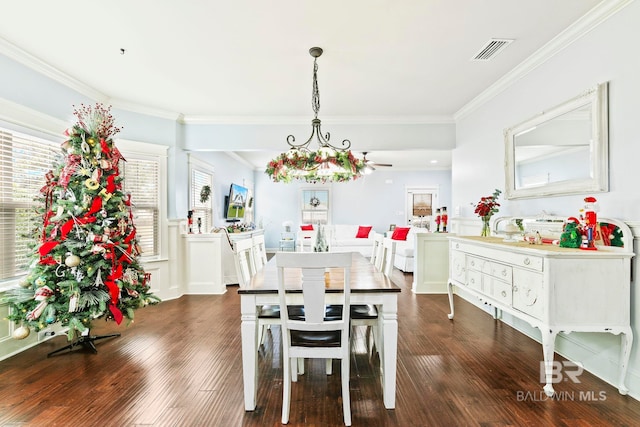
{"x": 286, "y": 390}
{"x": 294, "y": 365}
{"x": 329, "y": 366}
{"x": 261, "y": 336}
{"x": 346, "y": 400}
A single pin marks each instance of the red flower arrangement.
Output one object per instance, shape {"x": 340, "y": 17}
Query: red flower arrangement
{"x": 485, "y": 209}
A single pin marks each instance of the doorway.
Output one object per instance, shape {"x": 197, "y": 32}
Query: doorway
{"x": 421, "y": 202}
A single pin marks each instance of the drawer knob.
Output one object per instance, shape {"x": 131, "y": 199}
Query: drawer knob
{"x": 473, "y": 263}
{"x": 457, "y": 245}
{"x": 527, "y": 261}
{"x": 504, "y": 293}
{"x": 472, "y": 281}
{"x": 504, "y": 272}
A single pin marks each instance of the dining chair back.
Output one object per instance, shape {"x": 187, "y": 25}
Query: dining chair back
{"x": 305, "y": 240}
{"x": 245, "y": 265}
{"x": 377, "y": 247}
{"x": 316, "y": 335}
{"x": 387, "y": 255}
{"x": 259, "y": 251}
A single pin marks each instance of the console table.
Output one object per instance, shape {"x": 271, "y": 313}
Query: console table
{"x": 553, "y": 289}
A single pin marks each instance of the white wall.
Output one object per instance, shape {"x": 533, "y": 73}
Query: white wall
{"x": 606, "y": 53}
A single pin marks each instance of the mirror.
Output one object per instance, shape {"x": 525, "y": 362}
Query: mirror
{"x": 561, "y": 151}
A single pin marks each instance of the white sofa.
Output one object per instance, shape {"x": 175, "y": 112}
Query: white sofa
{"x": 341, "y": 238}
{"x": 405, "y": 250}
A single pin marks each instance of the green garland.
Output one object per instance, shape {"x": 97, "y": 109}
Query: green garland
{"x": 283, "y": 167}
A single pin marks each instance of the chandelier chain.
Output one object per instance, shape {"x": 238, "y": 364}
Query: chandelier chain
{"x": 315, "y": 95}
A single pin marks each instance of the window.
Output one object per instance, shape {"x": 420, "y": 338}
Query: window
{"x": 201, "y": 175}
{"x": 315, "y": 207}
{"x": 141, "y": 179}
{"x": 24, "y": 160}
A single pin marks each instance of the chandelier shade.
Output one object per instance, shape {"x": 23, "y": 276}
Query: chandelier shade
{"x": 326, "y": 163}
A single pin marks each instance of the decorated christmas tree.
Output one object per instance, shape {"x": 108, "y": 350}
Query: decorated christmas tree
{"x": 85, "y": 253}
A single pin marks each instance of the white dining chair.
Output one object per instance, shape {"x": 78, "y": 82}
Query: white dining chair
{"x": 367, "y": 314}
{"x": 377, "y": 247}
{"x": 387, "y": 256}
{"x": 315, "y": 336}
{"x": 245, "y": 265}
{"x": 259, "y": 251}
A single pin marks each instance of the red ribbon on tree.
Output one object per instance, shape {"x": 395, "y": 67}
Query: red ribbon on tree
{"x": 48, "y": 188}
{"x": 111, "y": 185}
{"x": 47, "y": 247}
{"x": 117, "y": 314}
{"x": 72, "y": 164}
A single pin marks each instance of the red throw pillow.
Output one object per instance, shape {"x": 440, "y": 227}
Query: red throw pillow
{"x": 363, "y": 232}
{"x": 400, "y": 233}
{"x": 306, "y": 227}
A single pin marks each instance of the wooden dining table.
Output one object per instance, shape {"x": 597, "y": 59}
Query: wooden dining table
{"x": 368, "y": 286}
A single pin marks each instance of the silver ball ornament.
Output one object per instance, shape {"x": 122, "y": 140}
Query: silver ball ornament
{"x": 21, "y": 333}
{"x": 72, "y": 261}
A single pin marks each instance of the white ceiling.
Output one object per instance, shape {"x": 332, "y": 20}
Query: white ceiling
{"x": 247, "y": 61}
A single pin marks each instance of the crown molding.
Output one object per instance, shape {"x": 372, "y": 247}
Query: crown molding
{"x": 582, "y": 26}
{"x": 141, "y": 109}
{"x": 38, "y": 65}
{"x": 31, "y": 119}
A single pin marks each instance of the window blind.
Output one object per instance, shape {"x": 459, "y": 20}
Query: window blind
{"x": 24, "y": 160}
{"x": 200, "y": 209}
{"x": 141, "y": 180}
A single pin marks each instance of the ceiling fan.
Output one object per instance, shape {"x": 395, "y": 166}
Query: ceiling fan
{"x": 371, "y": 164}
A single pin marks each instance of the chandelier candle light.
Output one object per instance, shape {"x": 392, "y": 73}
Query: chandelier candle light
{"x": 327, "y": 163}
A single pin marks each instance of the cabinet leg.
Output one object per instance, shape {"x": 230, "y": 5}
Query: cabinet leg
{"x": 548, "y": 350}
{"x": 450, "y": 291}
{"x": 625, "y": 352}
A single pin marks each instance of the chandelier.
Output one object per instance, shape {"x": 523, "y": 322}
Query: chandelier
{"x": 326, "y": 163}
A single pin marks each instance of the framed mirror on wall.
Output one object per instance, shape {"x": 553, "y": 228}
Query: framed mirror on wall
{"x": 561, "y": 151}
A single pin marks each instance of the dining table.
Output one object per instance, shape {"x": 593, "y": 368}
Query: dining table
{"x": 368, "y": 286}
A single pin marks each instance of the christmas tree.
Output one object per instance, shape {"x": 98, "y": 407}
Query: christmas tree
{"x": 85, "y": 261}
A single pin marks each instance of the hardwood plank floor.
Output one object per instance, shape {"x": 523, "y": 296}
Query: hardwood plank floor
{"x": 180, "y": 364}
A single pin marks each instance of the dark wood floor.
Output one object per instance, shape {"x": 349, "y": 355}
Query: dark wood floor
{"x": 180, "y": 364}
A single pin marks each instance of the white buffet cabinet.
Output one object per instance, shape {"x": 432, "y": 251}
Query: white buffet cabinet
{"x": 430, "y": 263}
{"x": 209, "y": 264}
{"x": 554, "y": 289}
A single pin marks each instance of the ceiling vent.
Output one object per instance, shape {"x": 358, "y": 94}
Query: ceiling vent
{"x": 491, "y": 49}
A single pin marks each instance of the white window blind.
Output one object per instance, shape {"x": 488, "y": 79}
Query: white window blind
{"x": 202, "y": 210}
{"x": 24, "y": 160}
{"x": 141, "y": 180}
